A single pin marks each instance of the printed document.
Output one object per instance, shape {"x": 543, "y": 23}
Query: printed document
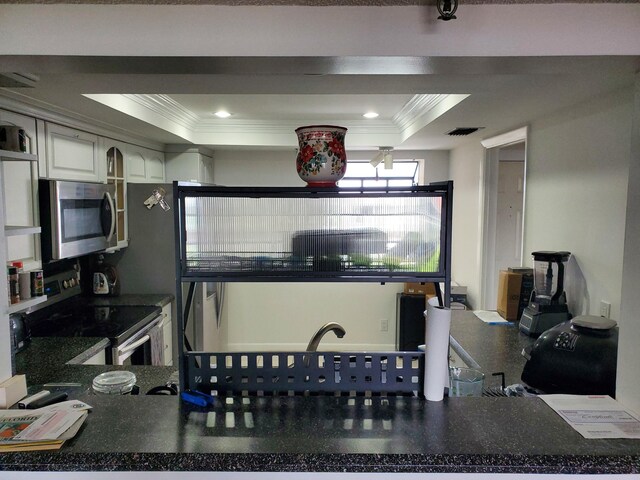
{"x": 595, "y": 416}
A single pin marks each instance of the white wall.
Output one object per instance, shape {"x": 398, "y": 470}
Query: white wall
{"x": 260, "y": 316}
{"x": 628, "y": 387}
{"x": 576, "y": 194}
{"x": 465, "y": 171}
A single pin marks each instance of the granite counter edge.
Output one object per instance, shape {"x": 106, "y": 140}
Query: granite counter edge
{"x": 342, "y": 463}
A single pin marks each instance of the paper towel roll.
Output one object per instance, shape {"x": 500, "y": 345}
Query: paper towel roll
{"x": 436, "y": 361}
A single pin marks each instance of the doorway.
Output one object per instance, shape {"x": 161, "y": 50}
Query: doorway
{"x": 503, "y": 210}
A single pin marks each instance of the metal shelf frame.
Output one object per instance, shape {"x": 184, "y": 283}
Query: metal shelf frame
{"x": 185, "y": 274}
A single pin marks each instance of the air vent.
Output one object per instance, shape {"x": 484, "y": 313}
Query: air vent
{"x": 460, "y": 131}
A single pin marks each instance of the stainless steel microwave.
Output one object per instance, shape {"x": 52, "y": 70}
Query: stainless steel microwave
{"x": 76, "y": 218}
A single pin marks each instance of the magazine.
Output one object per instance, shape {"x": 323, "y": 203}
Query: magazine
{"x": 40, "y": 429}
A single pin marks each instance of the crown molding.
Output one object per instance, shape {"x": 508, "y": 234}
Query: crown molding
{"x": 25, "y": 105}
{"x": 167, "y": 107}
{"x": 417, "y": 106}
{"x": 164, "y": 112}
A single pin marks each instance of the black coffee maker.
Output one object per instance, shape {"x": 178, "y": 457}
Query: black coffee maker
{"x": 548, "y": 302}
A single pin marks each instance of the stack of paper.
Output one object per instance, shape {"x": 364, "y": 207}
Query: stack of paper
{"x": 43, "y": 429}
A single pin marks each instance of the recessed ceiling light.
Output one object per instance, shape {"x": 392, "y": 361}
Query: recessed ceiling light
{"x": 222, "y": 114}
{"x": 370, "y": 115}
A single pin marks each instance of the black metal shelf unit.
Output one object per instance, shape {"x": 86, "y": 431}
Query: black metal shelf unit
{"x": 302, "y": 234}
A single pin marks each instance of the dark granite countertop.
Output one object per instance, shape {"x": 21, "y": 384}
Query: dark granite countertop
{"x": 332, "y": 434}
{"x": 495, "y": 347}
{"x": 48, "y": 360}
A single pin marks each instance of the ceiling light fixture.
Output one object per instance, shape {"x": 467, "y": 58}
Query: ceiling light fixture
{"x": 446, "y": 9}
{"x": 370, "y": 115}
{"x": 384, "y": 155}
{"x": 222, "y": 114}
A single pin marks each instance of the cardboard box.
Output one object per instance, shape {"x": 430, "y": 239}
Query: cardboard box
{"x": 12, "y": 390}
{"x": 509, "y": 294}
{"x": 417, "y": 288}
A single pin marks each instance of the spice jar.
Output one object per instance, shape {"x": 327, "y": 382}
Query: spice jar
{"x": 14, "y": 287}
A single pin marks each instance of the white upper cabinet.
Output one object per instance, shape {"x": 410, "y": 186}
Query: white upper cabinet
{"x": 72, "y": 155}
{"x": 144, "y": 165}
{"x": 189, "y": 166}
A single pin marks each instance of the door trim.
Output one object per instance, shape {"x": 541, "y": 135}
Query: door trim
{"x": 488, "y": 206}
{"x": 508, "y": 138}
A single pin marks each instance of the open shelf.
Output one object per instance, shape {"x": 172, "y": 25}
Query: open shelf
{"x": 298, "y": 234}
{"x": 15, "y": 230}
{"x": 24, "y": 304}
{"x": 10, "y": 156}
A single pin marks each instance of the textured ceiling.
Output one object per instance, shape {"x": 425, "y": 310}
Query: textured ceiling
{"x": 308, "y": 2}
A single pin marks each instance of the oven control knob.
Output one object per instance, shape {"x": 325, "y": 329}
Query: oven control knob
{"x": 65, "y": 284}
{"x": 72, "y": 282}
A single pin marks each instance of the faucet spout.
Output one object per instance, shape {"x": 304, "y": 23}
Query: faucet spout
{"x": 322, "y": 331}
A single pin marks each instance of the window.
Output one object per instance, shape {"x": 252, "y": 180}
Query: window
{"x": 364, "y": 175}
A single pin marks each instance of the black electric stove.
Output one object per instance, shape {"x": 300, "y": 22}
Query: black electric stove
{"x": 74, "y": 317}
{"x": 67, "y": 313}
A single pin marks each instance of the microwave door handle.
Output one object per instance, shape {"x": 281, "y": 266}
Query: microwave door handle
{"x": 134, "y": 345}
{"x": 112, "y": 227}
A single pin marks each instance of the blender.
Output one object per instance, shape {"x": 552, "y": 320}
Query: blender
{"x": 548, "y": 302}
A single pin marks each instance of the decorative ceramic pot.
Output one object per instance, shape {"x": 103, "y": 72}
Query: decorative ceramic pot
{"x": 321, "y": 160}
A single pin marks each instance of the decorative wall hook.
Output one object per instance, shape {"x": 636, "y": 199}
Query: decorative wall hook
{"x": 157, "y": 197}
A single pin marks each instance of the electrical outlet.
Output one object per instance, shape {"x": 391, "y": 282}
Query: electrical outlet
{"x": 384, "y": 325}
{"x": 605, "y": 309}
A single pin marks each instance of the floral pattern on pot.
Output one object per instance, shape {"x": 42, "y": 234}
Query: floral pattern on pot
{"x": 322, "y": 159}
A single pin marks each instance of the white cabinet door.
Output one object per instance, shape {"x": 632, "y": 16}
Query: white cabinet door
{"x": 188, "y": 167}
{"x": 167, "y": 333}
{"x": 73, "y": 155}
{"x": 206, "y": 169}
{"x": 113, "y": 155}
{"x": 155, "y": 167}
{"x": 135, "y": 168}
{"x": 144, "y": 165}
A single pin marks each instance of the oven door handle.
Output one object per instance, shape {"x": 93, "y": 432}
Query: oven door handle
{"x": 134, "y": 345}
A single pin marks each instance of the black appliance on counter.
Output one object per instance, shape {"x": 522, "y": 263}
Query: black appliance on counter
{"x": 548, "y": 302}
{"x": 576, "y": 357}
{"x": 134, "y": 332}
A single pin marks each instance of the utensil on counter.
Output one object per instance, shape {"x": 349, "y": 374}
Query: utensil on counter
{"x": 48, "y": 399}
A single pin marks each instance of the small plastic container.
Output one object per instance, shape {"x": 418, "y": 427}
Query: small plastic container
{"x": 119, "y": 382}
